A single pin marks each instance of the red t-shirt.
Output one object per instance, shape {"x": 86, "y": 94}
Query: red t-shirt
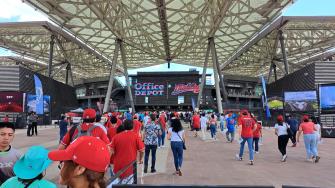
{"x": 162, "y": 121}
{"x": 196, "y": 121}
{"x": 257, "y": 132}
{"x": 137, "y": 126}
{"x": 307, "y": 127}
{"x": 96, "y": 132}
{"x": 108, "y": 124}
{"x": 111, "y": 132}
{"x": 125, "y": 146}
{"x": 247, "y": 126}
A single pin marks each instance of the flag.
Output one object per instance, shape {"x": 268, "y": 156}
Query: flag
{"x": 193, "y": 103}
{"x": 39, "y": 95}
{"x": 267, "y": 109}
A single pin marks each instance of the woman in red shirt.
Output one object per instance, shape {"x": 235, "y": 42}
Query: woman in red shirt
{"x": 307, "y": 127}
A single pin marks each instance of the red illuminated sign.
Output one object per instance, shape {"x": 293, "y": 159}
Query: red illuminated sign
{"x": 182, "y": 88}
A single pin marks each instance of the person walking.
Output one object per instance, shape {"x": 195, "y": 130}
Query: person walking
{"x": 318, "y": 130}
{"x": 282, "y": 131}
{"x": 203, "y": 124}
{"x": 230, "y": 124}
{"x": 162, "y": 124}
{"x": 196, "y": 123}
{"x": 177, "y": 136}
{"x": 294, "y": 128}
{"x": 62, "y": 127}
{"x": 212, "y": 126}
{"x": 256, "y": 135}
{"x": 222, "y": 120}
{"x": 308, "y": 129}
{"x": 248, "y": 125}
{"x": 150, "y": 135}
{"x": 30, "y": 170}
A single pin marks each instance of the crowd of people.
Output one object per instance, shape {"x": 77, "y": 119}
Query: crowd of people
{"x": 118, "y": 140}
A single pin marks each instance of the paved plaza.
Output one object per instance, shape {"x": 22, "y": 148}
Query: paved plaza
{"x": 213, "y": 163}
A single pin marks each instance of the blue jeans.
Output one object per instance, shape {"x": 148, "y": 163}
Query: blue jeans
{"x": 161, "y": 139}
{"x": 213, "y": 130}
{"x": 177, "y": 150}
{"x": 310, "y": 145}
{"x": 251, "y": 151}
{"x": 153, "y": 149}
{"x": 221, "y": 125}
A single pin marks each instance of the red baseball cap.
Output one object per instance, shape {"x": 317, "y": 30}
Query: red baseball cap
{"x": 89, "y": 113}
{"x": 280, "y": 118}
{"x": 135, "y": 116}
{"x": 87, "y": 151}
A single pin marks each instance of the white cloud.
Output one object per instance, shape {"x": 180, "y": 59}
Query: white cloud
{"x": 10, "y": 9}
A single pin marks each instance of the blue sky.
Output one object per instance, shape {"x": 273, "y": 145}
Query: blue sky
{"x": 15, "y": 10}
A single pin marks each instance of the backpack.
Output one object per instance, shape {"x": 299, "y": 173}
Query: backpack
{"x": 80, "y": 131}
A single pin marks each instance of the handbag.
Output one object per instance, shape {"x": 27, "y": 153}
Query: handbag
{"x": 184, "y": 146}
{"x": 289, "y": 131}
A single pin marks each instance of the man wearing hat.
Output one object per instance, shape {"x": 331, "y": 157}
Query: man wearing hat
{"x": 87, "y": 128}
{"x": 247, "y": 126}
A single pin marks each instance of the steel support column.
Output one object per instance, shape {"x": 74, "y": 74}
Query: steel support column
{"x": 111, "y": 76}
{"x": 125, "y": 68}
{"x": 274, "y": 66}
{"x": 67, "y": 73}
{"x": 51, "y": 53}
{"x": 270, "y": 72}
{"x": 203, "y": 77}
{"x": 223, "y": 88}
{"x": 217, "y": 89}
{"x": 283, "y": 51}
{"x": 71, "y": 75}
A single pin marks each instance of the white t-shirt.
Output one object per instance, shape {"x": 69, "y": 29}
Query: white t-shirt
{"x": 317, "y": 132}
{"x": 174, "y": 135}
{"x": 281, "y": 130}
{"x": 203, "y": 121}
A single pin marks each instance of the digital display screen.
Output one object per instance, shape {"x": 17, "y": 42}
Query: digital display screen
{"x": 300, "y": 101}
{"x": 327, "y": 97}
{"x": 31, "y": 103}
{"x": 11, "y": 101}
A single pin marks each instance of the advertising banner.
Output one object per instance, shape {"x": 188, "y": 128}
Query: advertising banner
{"x": 39, "y": 95}
{"x": 32, "y": 103}
{"x": 267, "y": 109}
{"x": 11, "y": 101}
{"x": 188, "y": 87}
{"x": 327, "y": 98}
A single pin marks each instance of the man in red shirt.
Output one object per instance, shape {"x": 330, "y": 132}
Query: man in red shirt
{"x": 125, "y": 146}
{"x": 248, "y": 126}
{"x": 162, "y": 124}
{"x": 196, "y": 123}
{"x": 87, "y": 127}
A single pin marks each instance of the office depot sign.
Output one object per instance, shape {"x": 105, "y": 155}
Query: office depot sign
{"x": 148, "y": 89}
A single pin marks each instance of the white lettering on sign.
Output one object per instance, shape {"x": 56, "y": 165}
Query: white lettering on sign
{"x": 148, "y": 89}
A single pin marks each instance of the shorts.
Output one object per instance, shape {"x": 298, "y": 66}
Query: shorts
{"x": 197, "y": 129}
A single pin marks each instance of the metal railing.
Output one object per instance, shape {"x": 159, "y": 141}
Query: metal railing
{"x": 115, "y": 179}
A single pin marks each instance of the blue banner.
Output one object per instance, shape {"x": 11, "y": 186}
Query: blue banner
{"x": 193, "y": 103}
{"x": 39, "y": 95}
{"x": 267, "y": 109}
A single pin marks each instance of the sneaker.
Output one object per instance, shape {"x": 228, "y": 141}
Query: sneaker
{"x": 317, "y": 158}
{"x": 180, "y": 174}
{"x": 251, "y": 162}
{"x": 294, "y": 145}
{"x": 153, "y": 170}
{"x": 145, "y": 171}
{"x": 238, "y": 157}
{"x": 257, "y": 152}
{"x": 284, "y": 158}
{"x": 313, "y": 159}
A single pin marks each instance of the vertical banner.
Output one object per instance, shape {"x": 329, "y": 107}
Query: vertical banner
{"x": 193, "y": 103}
{"x": 39, "y": 95}
{"x": 268, "y": 114}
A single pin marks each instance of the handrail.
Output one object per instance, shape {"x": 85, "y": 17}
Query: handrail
{"x": 118, "y": 174}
